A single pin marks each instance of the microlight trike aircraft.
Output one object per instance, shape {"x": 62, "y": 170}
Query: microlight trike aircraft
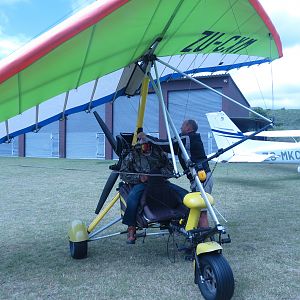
{"x": 140, "y": 42}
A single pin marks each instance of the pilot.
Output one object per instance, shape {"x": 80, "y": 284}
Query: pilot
{"x": 194, "y": 146}
{"x": 149, "y": 160}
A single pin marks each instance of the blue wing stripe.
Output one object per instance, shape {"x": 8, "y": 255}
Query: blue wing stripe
{"x": 109, "y": 98}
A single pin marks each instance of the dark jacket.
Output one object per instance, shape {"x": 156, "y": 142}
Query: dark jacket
{"x": 136, "y": 162}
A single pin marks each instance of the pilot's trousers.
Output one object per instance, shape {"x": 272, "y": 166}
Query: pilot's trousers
{"x": 133, "y": 201}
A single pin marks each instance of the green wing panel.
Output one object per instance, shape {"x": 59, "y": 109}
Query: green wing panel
{"x": 122, "y": 36}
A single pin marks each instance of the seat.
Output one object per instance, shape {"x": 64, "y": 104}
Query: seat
{"x": 159, "y": 211}
{"x": 155, "y": 207}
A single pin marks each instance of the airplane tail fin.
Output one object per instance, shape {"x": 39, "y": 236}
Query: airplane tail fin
{"x": 224, "y": 130}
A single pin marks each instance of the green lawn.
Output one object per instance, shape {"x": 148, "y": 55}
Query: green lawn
{"x": 41, "y": 196}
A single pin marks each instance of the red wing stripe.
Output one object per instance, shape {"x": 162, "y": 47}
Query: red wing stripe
{"x": 262, "y": 13}
{"x": 56, "y": 36}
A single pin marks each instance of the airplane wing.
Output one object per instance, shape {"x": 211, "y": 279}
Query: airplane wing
{"x": 232, "y": 157}
{"x": 277, "y": 133}
{"x": 109, "y": 35}
{"x": 249, "y": 157}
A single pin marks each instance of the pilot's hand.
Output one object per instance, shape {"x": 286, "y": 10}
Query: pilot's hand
{"x": 141, "y": 136}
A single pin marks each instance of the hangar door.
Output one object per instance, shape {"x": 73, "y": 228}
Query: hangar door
{"x": 194, "y": 104}
{"x": 11, "y": 148}
{"x": 84, "y": 137}
{"x": 125, "y": 115}
{"x": 43, "y": 143}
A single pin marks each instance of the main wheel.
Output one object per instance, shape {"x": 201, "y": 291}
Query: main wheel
{"x": 215, "y": 279}
{"x": 78, "y": 250}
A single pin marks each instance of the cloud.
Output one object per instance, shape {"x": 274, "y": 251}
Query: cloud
{"x": 257, "y": 82}
{"x": 277, "y": 7}
{"x": 286, "y": 18}
{"x": 9, "y": 44}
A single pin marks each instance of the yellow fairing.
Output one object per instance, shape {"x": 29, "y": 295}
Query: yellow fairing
{"x": 77, "y": 232}
{"x": 208, "y": 247}
{"x": 195, "y": 202}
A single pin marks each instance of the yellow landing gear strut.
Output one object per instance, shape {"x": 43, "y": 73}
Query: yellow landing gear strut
{"x": 78, "y": 233}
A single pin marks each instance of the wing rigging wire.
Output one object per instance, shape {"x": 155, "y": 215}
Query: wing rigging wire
{"x": 92, "y": 95}
{"x": 238, "y": 27}
{"x": 206, "y": 56}
{"x": 136, "y": 111}
{"x": 257, "y": 81}
{"x": 175, "y": 31}
{"x": 183, "y": 21}
{"x": 86, "y": 55}
{"x": 272, "y": 79}
{"x": 165, "y": 67}
{"x": 220, "y": 18}
{"x": 173, "y": 72}
{"x": 142, "y": 38}
{"x": 187, "y": 102}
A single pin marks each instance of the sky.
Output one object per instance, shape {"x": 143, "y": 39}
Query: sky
{"x": 275, "y": 85}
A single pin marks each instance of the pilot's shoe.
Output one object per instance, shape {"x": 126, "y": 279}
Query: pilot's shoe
{"x": 131, "y": 231}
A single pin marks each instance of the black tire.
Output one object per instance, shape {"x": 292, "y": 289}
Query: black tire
{"x": 215, "y": 278}
{"x": 78, "y": 250}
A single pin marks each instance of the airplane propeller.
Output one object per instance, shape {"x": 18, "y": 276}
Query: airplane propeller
{"x": 113, "y": 176}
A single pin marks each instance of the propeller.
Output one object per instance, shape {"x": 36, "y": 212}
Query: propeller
{"x": 106, "y": 190}
{"x": 106, "y": 131}
{"x": 113, "y": 176}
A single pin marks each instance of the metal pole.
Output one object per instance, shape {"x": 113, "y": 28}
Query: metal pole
{"x": 36, "y": 118}
{"x": 65, "y": 105}
{"x": 193, "y": 172}
{"x": 93, "y": 94}
{"x": 7, "y": 132}
{"x": 103, "y": 213}
{"x": 142, "y": 107}
{"x": 210, "y": 88}
{"x": 91, "y": 235}
{"x": 162, "y": 103}
{"x": 184, "y": 152}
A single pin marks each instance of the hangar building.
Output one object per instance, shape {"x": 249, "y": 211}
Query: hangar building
{"x": 80, "y": 136}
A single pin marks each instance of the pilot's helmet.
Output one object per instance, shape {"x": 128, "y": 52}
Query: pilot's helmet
{"x": 146, "y": 148}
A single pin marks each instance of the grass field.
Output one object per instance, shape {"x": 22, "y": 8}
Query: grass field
{"x": 39, "y": 197}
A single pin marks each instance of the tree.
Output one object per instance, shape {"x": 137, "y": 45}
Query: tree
{"x": 260, "y": 110}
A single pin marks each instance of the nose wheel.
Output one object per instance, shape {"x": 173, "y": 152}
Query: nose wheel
{"x": 214, "y": 277}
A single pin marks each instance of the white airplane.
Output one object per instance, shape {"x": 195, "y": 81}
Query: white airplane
{"x": 227, "y": 133}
